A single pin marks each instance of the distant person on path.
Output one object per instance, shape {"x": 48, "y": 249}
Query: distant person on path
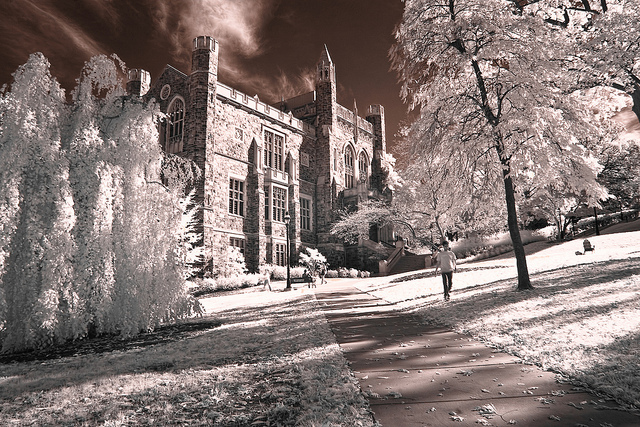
{"x": 446, "y": 263}
{"x": 323, "y": 273}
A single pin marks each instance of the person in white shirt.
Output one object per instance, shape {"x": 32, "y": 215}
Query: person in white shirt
{"x": 446, "y": 263}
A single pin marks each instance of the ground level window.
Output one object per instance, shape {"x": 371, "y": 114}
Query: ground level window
{"x": 281, "y": 254}
{"x": 237, "y": 242}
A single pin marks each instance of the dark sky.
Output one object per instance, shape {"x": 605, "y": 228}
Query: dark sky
{"x": 267, "y": 47}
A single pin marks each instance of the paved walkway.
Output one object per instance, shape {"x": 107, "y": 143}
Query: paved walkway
{"x": 416, "y": 375}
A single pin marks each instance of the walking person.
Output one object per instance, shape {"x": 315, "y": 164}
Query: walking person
{"x": 446, "y": 263}
{"x": 323, "y": 273}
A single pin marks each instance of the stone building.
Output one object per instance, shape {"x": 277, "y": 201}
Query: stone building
{"x": 303, "y": 158}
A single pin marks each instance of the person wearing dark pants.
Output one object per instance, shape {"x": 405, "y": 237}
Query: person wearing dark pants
{"x": 446, "y": 263}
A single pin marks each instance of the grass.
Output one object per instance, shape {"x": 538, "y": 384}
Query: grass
{"x": 581, "y": 319}
{"x": 274, "y": 363}
{"x": 269, "y": 358}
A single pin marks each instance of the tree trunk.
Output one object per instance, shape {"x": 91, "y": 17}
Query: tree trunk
{"x": 512, "y": 219}
{"x": 635, "y": 96}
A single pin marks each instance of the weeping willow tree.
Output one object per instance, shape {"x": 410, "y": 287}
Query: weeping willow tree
{"x": 92, "y": 241}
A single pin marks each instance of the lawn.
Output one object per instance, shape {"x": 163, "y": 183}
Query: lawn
{"x": 256, "y": 359}
{"x": 269, "y": 358}
{"x": 582, "y": 319}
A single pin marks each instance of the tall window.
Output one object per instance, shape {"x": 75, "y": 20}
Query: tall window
{"x": 363, "y": 167}
{"x": 236, "y": 197}
{"x": 348, "y": 168}
{"x": 273, "y": 150}
{"x": 305, "y": 213}
{"x": 267, "y": 203}
{"x": 175, "y": 126}
{"x": 281, "y": 252}
{"x": 279, "y": 202}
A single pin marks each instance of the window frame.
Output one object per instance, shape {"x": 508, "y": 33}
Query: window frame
{"x": 237, "y": 242}
{"x": 349, "y": 167}
{"x": 174, "y": 137}
{"x": 236, "y": 196}
{"x": 363, "y": 172}
{"x": 280, "y": 254}
{"x": 274, "y": 149}
{"x": 279, "y": 205}
{"x": 306, "y": 213}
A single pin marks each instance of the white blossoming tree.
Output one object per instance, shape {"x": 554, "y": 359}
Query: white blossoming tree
{"x": 491, "y": 85}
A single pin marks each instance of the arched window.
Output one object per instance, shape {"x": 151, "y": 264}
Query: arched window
{"x": 349, "y": 167}
{"x": 175, "y": 126}
{"x": 363, "y": 167}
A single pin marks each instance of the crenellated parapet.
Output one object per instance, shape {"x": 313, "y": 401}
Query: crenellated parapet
{"x": 254, "y": 105}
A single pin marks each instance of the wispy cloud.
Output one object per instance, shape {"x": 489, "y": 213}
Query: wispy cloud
{"x": 30, "y": 26}
{"x": 236, "y": 24}
{"x": 68, "y": 36}
{"x": 271, "y": 88}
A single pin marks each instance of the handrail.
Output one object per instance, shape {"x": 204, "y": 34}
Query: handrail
{"x": 385, "y": 266}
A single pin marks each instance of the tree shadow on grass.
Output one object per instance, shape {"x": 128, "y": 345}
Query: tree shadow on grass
{"x": 545, "y": 284}
{"x": 109, "y": 343}
{"x": 576, "y": 298}
{"x": 246, "y": 336}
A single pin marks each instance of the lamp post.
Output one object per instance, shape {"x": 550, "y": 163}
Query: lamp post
{"x": 287, "y": 221}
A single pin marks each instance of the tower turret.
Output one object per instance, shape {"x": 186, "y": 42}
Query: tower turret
{"x": 204, "y": 57}
{"x": 138, "y": 82}
{"x": 203, "y": 81}
{"x": 375, "y": 116}
{"x": 328, "y": 149}
{"x": 326, "y": 68}
{"x": 326, "y": 91}
{"x": 200, "y": 118}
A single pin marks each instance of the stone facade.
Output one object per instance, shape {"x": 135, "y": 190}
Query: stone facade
{"x": 306, "y": 157}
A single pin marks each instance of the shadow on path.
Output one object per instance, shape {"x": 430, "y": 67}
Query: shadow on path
{"x": 416, "y": 375}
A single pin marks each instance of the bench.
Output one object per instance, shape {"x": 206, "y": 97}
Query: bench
{"x": 310, "y": 280}
{"x": 588, "y": 247}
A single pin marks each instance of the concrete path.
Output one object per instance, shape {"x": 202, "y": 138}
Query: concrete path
{"x": 417, "y": 375}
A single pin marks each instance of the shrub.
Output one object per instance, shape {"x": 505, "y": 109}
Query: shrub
{"x": 313, "y": 260}
{"x": 332, "y": 274}
{"x": 199, "y": 287}
{"x": 279, "y": 273}
{"x": 353, "y": 272}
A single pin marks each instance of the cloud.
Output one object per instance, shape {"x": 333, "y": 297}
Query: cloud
{"x": 68, "y": 36}
{"x": 272, "y": 88}
{"x": 37, "y": 23}
{"x": 236, "y": 24}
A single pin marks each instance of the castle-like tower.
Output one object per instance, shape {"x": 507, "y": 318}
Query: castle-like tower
{"x": 301, "y": 160}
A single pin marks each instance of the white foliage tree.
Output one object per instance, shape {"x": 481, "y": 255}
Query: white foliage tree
{"x": 313, "y": 260}
{"x": 94, "y": 178}
{"x": 93, "y": 241}
{"x": 42, "y": 301}
{"x": 489, "y": 82}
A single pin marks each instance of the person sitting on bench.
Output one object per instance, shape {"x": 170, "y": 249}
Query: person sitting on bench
{"x": 588, "y": 247}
